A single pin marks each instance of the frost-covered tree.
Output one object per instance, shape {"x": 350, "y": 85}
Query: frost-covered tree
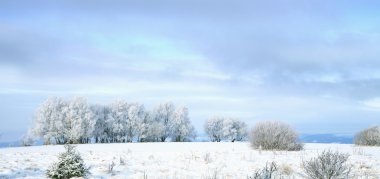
{"x": 274, "y": 135}
{"x": 163, "y": 115}
{"x": 49, "y": 120}
{"x": 181, "y": 127}
{"x": 117, "y": 119}
{"x": 234, "y": 129}
{"x": 221, "y": 128}
{"x": 79, "y": 121}
{"x": 135, "y": 123}
{"x": 155, "y": 130}
{"x": 214, "y": 128}
{"x": 99, "y": 117}
{"x": 64, "y": 121}
{"x": 102, "y": 129}
{"x": 149, "y": 129}
{"x": 370, "y": 137}
{"x": 58, "y": 124}
{"x": 152, "y": 130}
{"x": 143, "y": 127}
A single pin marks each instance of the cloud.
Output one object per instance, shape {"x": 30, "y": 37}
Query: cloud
{"x": 372, "y": 104}
{"x": 300, "y": 44}
{"x": 272, "y": 59}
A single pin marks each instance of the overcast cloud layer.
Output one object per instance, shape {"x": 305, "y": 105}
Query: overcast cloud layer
{"x": 314, "y": 64}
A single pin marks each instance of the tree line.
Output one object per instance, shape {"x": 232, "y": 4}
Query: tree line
{"x": 72, "y": 121}
{"x": 62, "y": 121}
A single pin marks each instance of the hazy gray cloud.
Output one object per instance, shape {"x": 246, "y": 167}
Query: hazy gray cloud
{"x": 300, "y": 61}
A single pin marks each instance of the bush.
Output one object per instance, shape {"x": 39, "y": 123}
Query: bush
{"x": 268, "y": 172}
{"x": 274, "y": 135}
{"x": 327, "y": 165}
{"x": 70, "y": 165}
{"x": 28, "y": 139}
{"x": 370, "y": 137}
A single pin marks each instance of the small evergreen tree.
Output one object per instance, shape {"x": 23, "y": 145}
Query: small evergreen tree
{"x": 70, "y": 165}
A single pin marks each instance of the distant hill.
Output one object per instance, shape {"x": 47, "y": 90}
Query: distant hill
{"x": 16, "y": 144}
{"x": 326, "y": 138}
{"x": 306, "y": 138}
{"x": 10, "y": 144}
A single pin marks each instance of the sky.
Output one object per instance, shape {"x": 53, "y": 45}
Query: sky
{"x": 310, "y": 63}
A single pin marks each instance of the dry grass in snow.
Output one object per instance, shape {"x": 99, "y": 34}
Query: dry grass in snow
{"x": 181, "y": 160}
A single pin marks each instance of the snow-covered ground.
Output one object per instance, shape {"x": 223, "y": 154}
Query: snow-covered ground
{"x": 181, "y": 160}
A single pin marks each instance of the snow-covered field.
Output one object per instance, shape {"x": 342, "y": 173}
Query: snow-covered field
{"x": 181, "y": 160}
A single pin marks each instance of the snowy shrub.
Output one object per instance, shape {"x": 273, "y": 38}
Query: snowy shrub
{"x": 268, "y": 172}
{"x": 274, "y": 135}
{"x": 111, "y": 166}
{"x": 122, "y": 161}
{"x": 286, "y": 169}
{"x": 28, "y": 139}
{"x": 214, "y": 175}
{"x": 70, "y": 164}
{"x": 328, "y": 165}
{"x": 370, "y": 137}
{"x": 145, "y": 175}
{"x": 207, "y": 158}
